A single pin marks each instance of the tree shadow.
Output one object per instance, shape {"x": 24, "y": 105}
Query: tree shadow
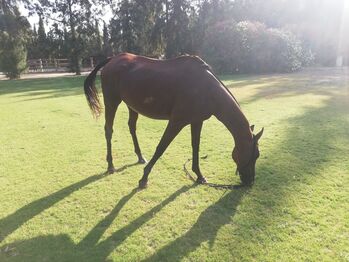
{"x": 34, "y": 89}
{"x": 310, "y": 140}
{"x": 313, "y": 142}
{"x": 323, "y": 82}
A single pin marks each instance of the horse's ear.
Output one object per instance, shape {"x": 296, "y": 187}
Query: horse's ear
{"x": 258, "y": 136}
{"x": 252, "y": 128}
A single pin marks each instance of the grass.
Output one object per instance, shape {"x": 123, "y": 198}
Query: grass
{"x": 58, "y": 205}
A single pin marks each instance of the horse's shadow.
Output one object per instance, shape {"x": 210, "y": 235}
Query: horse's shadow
{"x": 205, "y": 228}
{"x": 10, "y": 223}
{"x": 120, "y": 169}
{"x": 90, "y": 248}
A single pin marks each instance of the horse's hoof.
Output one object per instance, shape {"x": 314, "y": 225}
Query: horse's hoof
{"x": 142, "y": 184}
{"x": 201, "y": 180}
{"x": 111, "y": 170}
{"x": 142, "y": 161}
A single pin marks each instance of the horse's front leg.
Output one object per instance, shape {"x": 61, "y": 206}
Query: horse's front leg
{"x": 172, "y": 130}
{"x": 195, "y": 143}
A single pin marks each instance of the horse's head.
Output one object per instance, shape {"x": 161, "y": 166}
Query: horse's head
{"x": 245, "y": 158}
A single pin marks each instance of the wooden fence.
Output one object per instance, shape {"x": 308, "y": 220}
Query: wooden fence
{"x": 55, "y": 65}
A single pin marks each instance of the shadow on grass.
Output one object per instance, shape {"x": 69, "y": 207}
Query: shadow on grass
{"x": 33, "y": 89}
{"x": 10, "y": 223}
{"x": 309, "y": 139}
{"x": 313, "y": 142}
{"x": 62, "y": 248}
{"x": 322, "y": 82}
{"x": 308, "y": 145}
{"x": 101, "y": 251}
{"x": 120, "y": 169}
{"x": 204, "y": 229}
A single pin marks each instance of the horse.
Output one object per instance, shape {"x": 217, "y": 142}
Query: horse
{"x": 182, "y": 90}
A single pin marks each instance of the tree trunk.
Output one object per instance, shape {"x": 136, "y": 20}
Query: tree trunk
{"x": 75, "y": 59}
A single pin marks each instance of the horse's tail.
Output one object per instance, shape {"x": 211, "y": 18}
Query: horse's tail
{"x": 91, "y": 90}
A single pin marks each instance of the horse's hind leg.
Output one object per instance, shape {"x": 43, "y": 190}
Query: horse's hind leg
{"x": 110, "y": 110}
{"x": 132, "y": 121}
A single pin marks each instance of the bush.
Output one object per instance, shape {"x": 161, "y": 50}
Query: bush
{"x": 251, "y": 47}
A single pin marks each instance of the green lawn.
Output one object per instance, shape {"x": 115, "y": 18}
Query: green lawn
{"x": 58, "y": 205}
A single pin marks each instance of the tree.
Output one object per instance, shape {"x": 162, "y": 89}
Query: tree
{"x": 177, "y": 34}
{"x": 98, "y": 37}
{"x": 42, "y": 39}
{"x": 137, "y": 28}
{"x": 39, "y": 44}
{"x": 122, "y": 31}
{"x": 8, "y": 6}
{"x": 75, "y": 15}
{"x": 93, "y": 42}
{"x": 145, "y": 15}
{"x": 14, "y": 37}
{"x": 106, "y": 48}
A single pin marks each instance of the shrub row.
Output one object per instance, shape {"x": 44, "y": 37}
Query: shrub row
{"x": 251, "y": 47}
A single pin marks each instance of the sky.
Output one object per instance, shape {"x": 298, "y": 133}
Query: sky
{"x": 34, "y": 19}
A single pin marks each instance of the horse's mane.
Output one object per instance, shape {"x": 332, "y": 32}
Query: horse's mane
{"x": 207, "y": 67}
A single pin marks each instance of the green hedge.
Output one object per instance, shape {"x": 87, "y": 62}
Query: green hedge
{"x": 251, "y": 47}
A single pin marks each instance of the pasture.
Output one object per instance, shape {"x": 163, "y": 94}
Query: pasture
{"x": 57, "y": 203}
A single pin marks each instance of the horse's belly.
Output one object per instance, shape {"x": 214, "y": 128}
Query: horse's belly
{"x": 150, "y": 106}
{"x": 151, "y": 113}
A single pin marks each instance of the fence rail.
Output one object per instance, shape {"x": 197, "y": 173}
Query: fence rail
{"x": 54, "y": 65}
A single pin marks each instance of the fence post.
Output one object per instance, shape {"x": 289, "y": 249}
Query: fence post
{"x": 40, "y": 65}
{"x": 91, "y": 62}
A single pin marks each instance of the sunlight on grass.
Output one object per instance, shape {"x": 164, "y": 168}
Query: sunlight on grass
{"x": 58, "y": 205}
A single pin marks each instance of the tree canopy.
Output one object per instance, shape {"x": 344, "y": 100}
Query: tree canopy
{"x": 14, "y": 37}
{"x": 234, "y": 36}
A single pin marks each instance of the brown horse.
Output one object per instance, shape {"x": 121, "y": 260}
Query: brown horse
{"x": 184, "y": 91}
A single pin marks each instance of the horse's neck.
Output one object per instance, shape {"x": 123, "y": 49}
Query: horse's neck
{"x": 230, "y": 114}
